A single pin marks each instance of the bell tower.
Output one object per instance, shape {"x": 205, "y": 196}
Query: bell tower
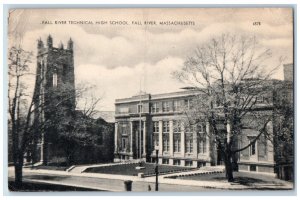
{"x": 54, "y": 95}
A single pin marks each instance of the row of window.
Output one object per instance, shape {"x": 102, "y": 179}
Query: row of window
{"x": 244, "y": 101}
{"x": 168, "y": 106}
{"x": 176, "y": 105}
{"x": 176, "y": 145}
{"x": 177, "y": 162}
{"x": 176, "y": 127}
{"x": 201, "y": 147}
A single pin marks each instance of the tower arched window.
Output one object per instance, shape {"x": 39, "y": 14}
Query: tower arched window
{"x": 54, "y": 79}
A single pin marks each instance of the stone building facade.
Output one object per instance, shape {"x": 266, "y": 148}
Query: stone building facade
{"x": 145, "y": 121}
{"x": 55, "y": 104}
{"x": 54, "y": 92}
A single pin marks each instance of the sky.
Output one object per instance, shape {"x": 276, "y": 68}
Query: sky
{"x": 122, "y": 59}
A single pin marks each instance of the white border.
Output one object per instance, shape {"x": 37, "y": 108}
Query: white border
{"x": 116, "y": 3}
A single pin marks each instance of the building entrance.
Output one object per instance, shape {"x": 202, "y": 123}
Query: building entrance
{"x": 138, "y": 143}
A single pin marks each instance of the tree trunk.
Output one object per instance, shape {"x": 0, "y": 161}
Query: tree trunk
{"x": 18, "y": 174}
{"x": 228, "y": 167}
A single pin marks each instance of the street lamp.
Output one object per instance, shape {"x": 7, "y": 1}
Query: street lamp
{"x": 156, "y": 168}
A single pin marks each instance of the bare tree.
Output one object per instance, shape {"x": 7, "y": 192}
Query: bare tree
{"x": 19, "y": 119}
{"x": 230, "y": 76}
{"x": 25, "y": 124}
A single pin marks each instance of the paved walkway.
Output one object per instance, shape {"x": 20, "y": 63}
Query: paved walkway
{"x": 112, "y": 182}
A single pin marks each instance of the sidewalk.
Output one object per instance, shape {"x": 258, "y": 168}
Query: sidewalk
{"x": 112, "y": 182}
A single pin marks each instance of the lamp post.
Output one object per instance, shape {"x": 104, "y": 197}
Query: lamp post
{"x": 156, "y": 168}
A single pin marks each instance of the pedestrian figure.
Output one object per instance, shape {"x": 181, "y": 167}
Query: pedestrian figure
{"x": 149, "y": 188}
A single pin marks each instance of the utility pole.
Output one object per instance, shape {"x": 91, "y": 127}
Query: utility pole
{"x": 140, "y": 116}
{"x": 156, "y": 169}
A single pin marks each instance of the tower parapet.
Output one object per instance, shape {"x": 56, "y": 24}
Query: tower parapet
{"x": 49, "y": 42}
{"x": 70, "y": 44}
{"x": 40, "y": 44}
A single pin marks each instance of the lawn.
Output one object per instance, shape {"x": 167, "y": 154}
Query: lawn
{"x": 130, "y": 169}
{"x": 243, "y": 178}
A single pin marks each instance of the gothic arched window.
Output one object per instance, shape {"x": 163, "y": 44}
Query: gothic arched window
{"x": 54, "y": 79}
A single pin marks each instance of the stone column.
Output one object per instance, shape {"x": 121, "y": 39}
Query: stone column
{"x": 207, "y": 138}
{"x": 116, "y": 137}
{"x": 131, "y": 136}
{"x": 182, "y": 139}
{"x": 270, "y": 147}
{"x": 171, "y": 138}
{"x": 144, "y": 138}
{"x": 160, "y": 138}
{"x": 195, "y": 144}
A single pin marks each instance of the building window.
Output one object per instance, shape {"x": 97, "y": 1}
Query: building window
{"x": 166, "y": 126}
{"x": 253, "y": 168}
{"x": 124, "y": 141}
{"x": 253, "y": 149}
{"x": 155, "y": 108}
{"x": 188, "y": 163}
{"x": 123, "y": 110}
{"x": 54, "y": 79}
{"x": 155, "y": 134}
{"x": 124, "y": 128}
{"x": 166, "y": 106}
{"x": 155, "y": 139}
{"x": 155, "y": 127}
{"x": 140, "y": 108}
{"x": 176, "y": 162}
{"x": 189, "y": 145}
{"x": 202, "y": 145}
{"x": 165, "y": 161}
{"x": 177, "y": 105}
{"x": 166, "y": 146}
{"x": 201, "y": 164}
{"x": 177, "y": 145}
{"x": 188, "y": 103}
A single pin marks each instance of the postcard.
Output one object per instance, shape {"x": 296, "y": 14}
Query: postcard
{"x": 151, "y": 99}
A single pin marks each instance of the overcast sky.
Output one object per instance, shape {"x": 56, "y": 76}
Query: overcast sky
{"x": 117, "y": 58}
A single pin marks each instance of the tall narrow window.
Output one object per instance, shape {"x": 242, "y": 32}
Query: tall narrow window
{"x": 166, "y": 106}
{"x": 155, "y": 108}
{"x": 166, "y": 127}
{"x": 177, "y": 144}
{"x": 155, "y": 127}
{"x": 166, "y": 145}
{"x": 177, "y": 105}
{"x": 202, "y": 145}
{"x": 156, "y": 133}
{"x": 54, "y": 79}
{"x": 252, "y": 149}
{"x": 140, "y": 108}
{"x": 189, "y": 145}
{"x": 124, "y": 141}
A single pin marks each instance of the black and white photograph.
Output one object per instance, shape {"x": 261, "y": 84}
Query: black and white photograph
{"x": 150, "y": 99}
